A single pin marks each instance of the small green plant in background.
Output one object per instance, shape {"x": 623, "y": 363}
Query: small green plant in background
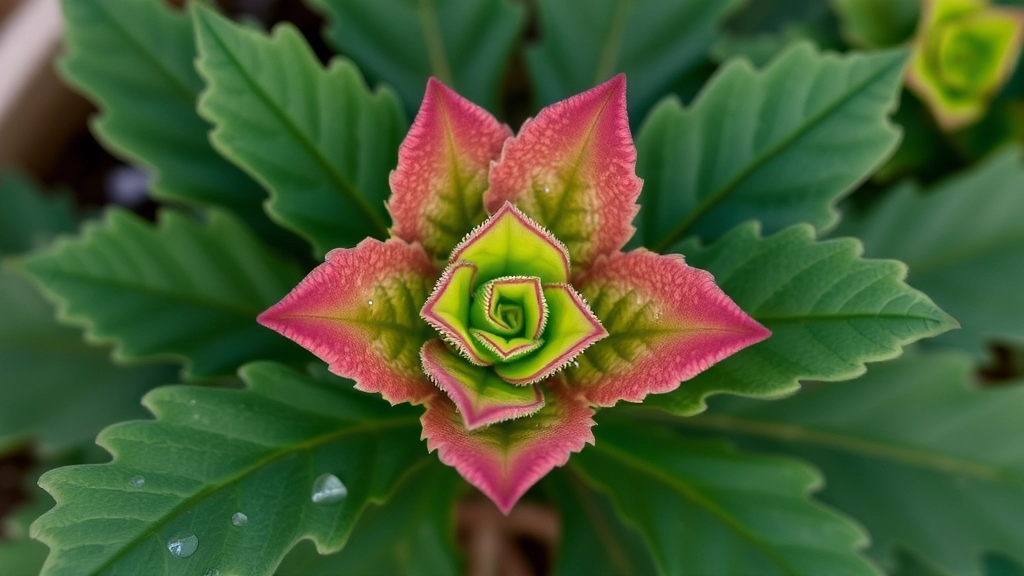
{"x": 671, "y": 236}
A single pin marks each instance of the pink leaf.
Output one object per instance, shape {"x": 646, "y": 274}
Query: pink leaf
{"x": 359, "y": 312}
{"x": 504, "y": 460}
{"x": 666, "y": 322}
{"x": 572, "y": 170}
{"x": 437, "y": 188}
{"x": 480, "y": 395}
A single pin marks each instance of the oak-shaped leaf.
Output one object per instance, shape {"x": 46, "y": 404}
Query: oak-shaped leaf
{"x": 177, "y": 289}
{"x": 895, "y": 444}
{"x": 317, "y": 138}
{"x": 761, "y": 144}
{"x": 229, "y": 480}
{"x": 829, "y": 310}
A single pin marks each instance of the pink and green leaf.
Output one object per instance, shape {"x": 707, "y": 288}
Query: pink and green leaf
{"x": 511, "y": 244}
{"x": 448, "y": 310}
{"x": 572, "y": 170}
{"x": 505, "y": 459}
{"x": 571, "y": 328}
{"x": 438, "y": 186}
{"x": 666, "y": 323}
{"x": 359, "y": 312}
{"x": 511, "y": 305}
{"x": 479, "y": 394}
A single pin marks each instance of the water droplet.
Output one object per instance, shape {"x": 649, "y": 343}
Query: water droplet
{"x": 183, "y": 545}
{"x": 239, "y": 519}
{"x": 547, "y": 189}
{"x": 212, "y": 572}
{"x": 328, "y": 489}
{"x": 138, "y": 481}
{"x": 192, "y": 402}
{"x": 370, "y": 302}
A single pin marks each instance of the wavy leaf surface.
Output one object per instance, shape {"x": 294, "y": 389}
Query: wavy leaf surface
{"x": 706, "y": 509}
{"x": 412, "y": 534}
{"x": 134, "y": 59}
{"x": 655, "y": 43}
{"x": 466, "y": 44}
{"x": 915, "y": 453}
{"x": 829, "y": 310}
{"x": 964, "y": 245}
{"x": 178, "y": 289}
{"x": 213, "y": 454}
{"x": 761, "y": 144}
{"x": 317, "y": 138}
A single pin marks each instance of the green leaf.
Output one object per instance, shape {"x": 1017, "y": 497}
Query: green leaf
{"x": 466, "y": 44}
{"x": 411, "y": 534}
{"x": 595, "y": 541}
{"x": 656, "y": 43}
{"x": 57, "y": 390}
{"x": 762, "y": 145}
{"x": 829, "y": 310}
{"x": 178, "y": 289}
{"x": 964, "y": 244}
{"x": 317, "y": 139}
{"x": 134, "y": 59}
{"x": 877, "y": 23}
{"x": 29, "y": 219}
{"x": 213, "y": 453}
{"x": 911, "y": 450}
{"x": 706, "y": 509}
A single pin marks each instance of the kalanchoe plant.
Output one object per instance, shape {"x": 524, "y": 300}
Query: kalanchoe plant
{"x": 510, "y": 307}
{"x": 963, "y": 53}
{"x": 497, "y": 301}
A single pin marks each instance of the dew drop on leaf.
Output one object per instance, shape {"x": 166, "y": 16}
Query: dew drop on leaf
{"x": 192, "y": 402}
{"x": 239, "y": 519}
{"x": 212, "y": 572}
{"x": 137, "y": 481}
{"x": 328, "y": 489}
{"x": 183, "y": 545}
{"x": 370, "y": 302}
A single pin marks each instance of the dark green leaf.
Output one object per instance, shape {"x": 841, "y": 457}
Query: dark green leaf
{"x": 213, "y": 453}
{"x": 877, "y": 23}
{"x": 318, "y": 139}
{"x": 56, "y": 389}
{"x": 180, "y": 288}
{"x": 706, "y": 509}
{"x": 134, "y": 58}
{"x": 762, "y": 145}
{"x": 595, "y": 541}
{"x": 29, "y": 219}
{"x": 829, "y": 310}
{"x": 411, "y": 535}
{"x": 655, "y": 42}
{"x": 464, "y": 43}
{"x": 910, "y": 450}
{"x": 963, "y": 242}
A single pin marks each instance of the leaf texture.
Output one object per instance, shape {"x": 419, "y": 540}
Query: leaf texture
{"x": 466, "y": 44}
{"x": 134, "y": 59}
{"x": 58, "y": 391}
{"x": 412, "y": 534}
{"x": 829, "y": 310}
{"x": 317, "y": 138}
{"x": 178, "y": 289}
{"x": 213, "y": 453}
{"x": 911, "y": 450}
{"x": 964, "y": 245}
{"x": 655, "y": 43}
{"x": 705, "y": 509}
{"x": 761, "y": 145}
